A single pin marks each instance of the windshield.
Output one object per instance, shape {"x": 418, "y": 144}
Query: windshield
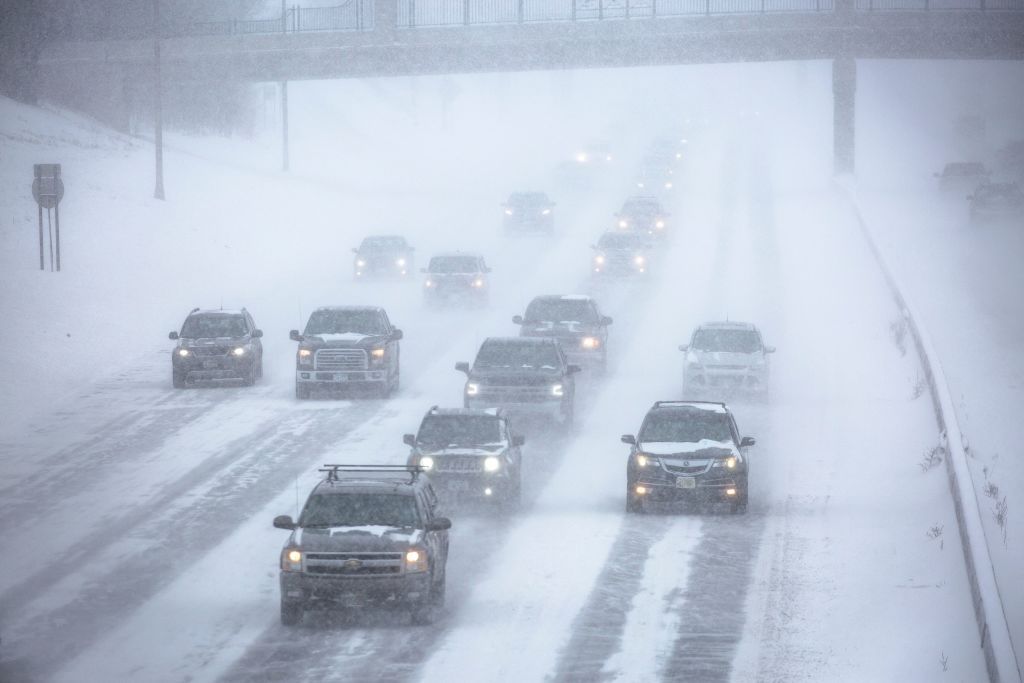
{"x": 529, "y": 199}
{"x": 339, "y": 322}
{"x": 359, "y": 509}
{"x": 459, "y": 430}
{"x": 454, "y": 264}
{"x": 559, "y": 310}
{"x": 641, "y": 208}
{"x": 732, "y": 341}
{"x": 382, "y": 244}
{"x": 690, "y": 426}
{"x": 516, "y": 354}
{"x": 622, "y": 240}
{"x": 210, "y": 326}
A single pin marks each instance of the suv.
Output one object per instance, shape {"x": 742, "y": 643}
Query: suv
{"x": 529, "y": 211}
{"x": 959, "y": 176}
{"x": 471, "y": 453}
{"x": 575, "y": 321}
{"x": 367, "y": 533}
{"x": 347, "y": 346}
{"x": 992, "y": 202}
{"x": 383, "y": 255}
{"x": 522, "y": 375}
{"x": 456, "y": 276}
{"x": 726, "y": 355}
{"x": 643, "y": 214}
{"x": 217, "y": 345}
{"x": 687, "y": 450}
{"x": 621, "y": 253}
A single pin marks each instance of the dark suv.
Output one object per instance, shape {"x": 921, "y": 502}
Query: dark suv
{"x": 522, "y": 375}
{"x": 347, "y": 346}
{"x": 469, "y": 453}
{"x": 575, "y": 321}
{"x": 687, "y": 450}
{"x": 622, "y": 253}
{"x": 457, "y": 276}
{"x": 529, "y": 212}
{"x": 217, "y": 345}
{"x": 643, "y": 214}
{"x": 367, "y": 534}
{"x": 386, "y": 255}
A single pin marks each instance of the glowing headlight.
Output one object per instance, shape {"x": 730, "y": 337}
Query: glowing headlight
{"x": 491, "y": 464}
{"x": 659, "y": 224}
{"x": 557, "y": 390}
{"x": 728, "y": 463}
{"x": 679, "y": 155}
{"x": 291, "y": 560}
{"x": 428, "y": 283}
{"x": 472, "y": 389}
{"x": 599, "y": 259}
{"x": 640, "y": 185}
{"x": 590, "y": 342}
{"x": 238, "y": 351}
{"x": 305, "y": 353}
{"x": 400, "y": 262}
{"x": 545, "y": 212}
{"x": 426, "y": 462}
{"x": 608, "y": 158}
{"x": 377, "y": 354}
{"x": 639, "y": 260}
{"x": 668, "y": 185}
{"x": 478, "y": 283}
{"x": 623, "y": 224}
{"x": 182, "y": 352}
{"x": 360, "y": 263}
{"x": 508, "y": 212}
{"x": 581, "y": 157}
{"x": 644, "y": 460}
{"x": 416, "y": 560}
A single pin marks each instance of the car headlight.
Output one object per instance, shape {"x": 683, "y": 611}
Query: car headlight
{"x": 291, "y": 560}
{"x": 426, "y": 462}
{"x": 428, "y": 283}
{"x": 659, "y": 224}
{"x": 183, "y": 352}
{"x": 239, "y": 351}
{"x": 472, "y": 389}
{"x": 729, "y": 463}
{"x": 545, "y": 212}
{"x": 508, "y": 212}
{"x": 478, "y": 283}
{"x": 360, "y": 263}
{"x": 599, "y": 259}
{"x": 376, "y": 356}
{"x": 590, "y": 342}
{"x": 668, "y": 185}
{"x": 640, "y": 185}
{"x": 400, "y": 262}
{"x": 416, "y": 560}
{"x": 623, "y": 224}
{"x": 608, "y": 157}
{"x": 581, "y": 157}
{"x": 639, "y": 260}
{"x": 644, "y": 460}
{"x": 557, "y": 390}
{"x": 491, "y": 464}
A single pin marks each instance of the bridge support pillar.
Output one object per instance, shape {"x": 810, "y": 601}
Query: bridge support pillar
{"x": 844, "y": 104}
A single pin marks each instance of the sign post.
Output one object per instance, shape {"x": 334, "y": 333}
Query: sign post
{"x": 48, "y": 190}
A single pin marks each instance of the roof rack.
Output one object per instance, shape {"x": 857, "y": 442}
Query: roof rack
{"x": 332, "y": 470}
{"x": 658, "y": 404}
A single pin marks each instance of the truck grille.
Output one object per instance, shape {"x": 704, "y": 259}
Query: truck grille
{"x": 340, "y": 359}
{"x": 459, "y": 463}
{"x": 516, "y": 394}
{"x": 353, "y": 564}
{"x": 207, "y": 351}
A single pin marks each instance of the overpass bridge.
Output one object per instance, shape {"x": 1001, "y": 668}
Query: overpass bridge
{"x": 379, "y": 38}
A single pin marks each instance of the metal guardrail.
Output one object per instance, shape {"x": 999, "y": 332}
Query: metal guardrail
{"x": 358, "y": 15}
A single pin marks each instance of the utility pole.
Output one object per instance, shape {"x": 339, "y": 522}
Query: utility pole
{"x": 158, "y": 124}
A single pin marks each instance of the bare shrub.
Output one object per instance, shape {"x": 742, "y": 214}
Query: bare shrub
{"x": 931, "y": 458}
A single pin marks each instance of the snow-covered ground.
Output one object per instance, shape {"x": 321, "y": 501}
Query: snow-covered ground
{"x": 135, "y": 519}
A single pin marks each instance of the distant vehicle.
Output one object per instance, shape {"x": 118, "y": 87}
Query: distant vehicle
{"x": 345, "y": 346}
{"x": 666, "y": 149}
{"x": 529, "y": 212}
{"x": 687, "y": 451}
{"x": 457, "y": 276}
{"x": 643, "y": 213}
{"x": 597, "y": 152}
{"x": 962, "y": 175}
{"x": 621, "y": 253}
{"x": 383, "y": 255}
{"x": 217, "y": 345}
{"x": 472, "y": 454}
{"x": 994, "y": 202}
{"x": 575, "y": 321}
{"x": 726, "y": 355}
{"x": 368, "y": 534}
{"x": 523, "y": 376}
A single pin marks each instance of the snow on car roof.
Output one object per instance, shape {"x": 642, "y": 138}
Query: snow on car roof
{"x": 493, "y": 412}
{"x": 462, "y": 254}
{"x": 524, "y": 341}
{"x": 700, "y": 405}
{"x": 349, "y": 308}
{"x": 218, "y": 311}
{"x": 728, "y": 325}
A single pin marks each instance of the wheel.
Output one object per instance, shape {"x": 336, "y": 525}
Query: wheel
{"x": 423, "y": 612}
{"x": 178, "y": 379}
{"x": 259, "y": 368}
{"x": 634, "y": 504}
{"x": 301, "y": 391}
{"x": 250, "y": 377}
{"x": 291, "y": 612}
{"x": 568, "y": 418}
{"x": 513, "y": 497}
{"x": 739, "y": 507}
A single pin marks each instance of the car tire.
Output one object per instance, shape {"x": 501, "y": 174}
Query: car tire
{"x": 259, "y": 368}
{"x": 178, "y": 379}
{"x": 250, "y": 378}
{"x": 739, "y": 507}
{"x": 423, "y": 612}
{"x": 291, "y": 612}
{"x": 301, "y": 391}
{"x": 634, "y": 504}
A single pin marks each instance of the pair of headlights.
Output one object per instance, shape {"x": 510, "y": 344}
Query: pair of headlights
{"x": 473, "y": 389}
{"x": 237, "y": 351}
{"x": 415, "y": 560}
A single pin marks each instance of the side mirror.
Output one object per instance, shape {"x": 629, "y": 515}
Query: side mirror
{"x": 438, "y": 524}
{"x": 396, "y": 334}
{"x": 573, "y": 369}
{"x": 284, "y": 522}
{"x": 409, "y": 439}
{"x": 295, "y": 336}
{"x": 518, "y": 440}
{"x": 628, "y": 438}
{"x": 516, "y": 320}
{"x": 769, "y": 349}
{"x": 172, "y": 335}
{"x": 684, "y": 347}
{"x": 607, "y": 320}
{"x": 747, "y": 441}
{"x": 257, "y": 334}
{"x": 462, "y": 366}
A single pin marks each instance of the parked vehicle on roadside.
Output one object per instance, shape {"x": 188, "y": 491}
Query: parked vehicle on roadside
{"x": 727, "y": 356}
{"x": 367, "y": 535}
{"x": 217, "y": 345}
{"x": 383, "y": 255}
{"x": 469, "y": 454}
{"x": 995, "y": 202}
{"x": 457, "y": 277}
{"x": 688, "y": 451}
{"x": 347, "y": 346}
{"x": 529, "y": 212}
{"x": 575, "y": 321}
{"x": 961, "y": 176}
{"x": 524, "y": 376}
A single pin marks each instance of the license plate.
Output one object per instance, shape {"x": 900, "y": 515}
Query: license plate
{"x": 686, "y": 482}
{"x": 209, "y": 364}
{"x": 458, "y": 485}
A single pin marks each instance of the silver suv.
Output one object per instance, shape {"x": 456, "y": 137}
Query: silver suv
{"x": 726, "y": 356}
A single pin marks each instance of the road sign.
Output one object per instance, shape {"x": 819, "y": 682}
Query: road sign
{"x": 47, "y": 187}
